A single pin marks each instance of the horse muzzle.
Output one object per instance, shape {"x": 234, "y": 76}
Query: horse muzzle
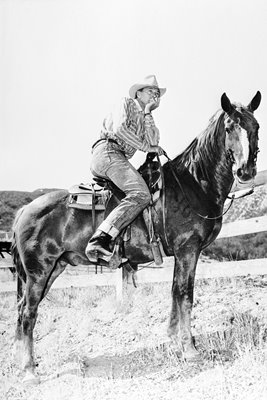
{"x": 245, "y": 174}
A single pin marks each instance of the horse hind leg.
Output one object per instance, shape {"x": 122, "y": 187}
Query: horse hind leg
{"x": 34, "y": 293}
{"x": 35, "y": 290}
{"x": 18, "y": 334}
{"x": 21, "y": 301}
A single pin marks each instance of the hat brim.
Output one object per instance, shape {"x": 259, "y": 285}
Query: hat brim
{"x": 133, "y": 89}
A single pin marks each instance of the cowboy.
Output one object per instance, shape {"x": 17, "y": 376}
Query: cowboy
{"x": 131, "y": 129}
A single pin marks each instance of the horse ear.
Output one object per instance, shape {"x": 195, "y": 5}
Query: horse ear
{"x": 255, "y": 102}
{"x": 226, "y": 104}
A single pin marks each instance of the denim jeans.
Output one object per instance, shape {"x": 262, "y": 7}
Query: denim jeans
{"x": 109, "y": 162}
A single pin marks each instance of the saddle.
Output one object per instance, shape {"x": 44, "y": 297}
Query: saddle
{"x": 95, "y": 196}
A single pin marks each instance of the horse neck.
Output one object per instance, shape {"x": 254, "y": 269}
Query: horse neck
{"x": 207, "y": 161}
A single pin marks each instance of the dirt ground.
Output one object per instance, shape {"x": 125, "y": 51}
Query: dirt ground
{"x": 89, "y": 347}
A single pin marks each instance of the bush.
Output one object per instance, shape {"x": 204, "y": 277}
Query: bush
{"x": 238, "y": 248}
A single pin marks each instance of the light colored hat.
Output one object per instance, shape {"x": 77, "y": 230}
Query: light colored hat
{"x": 150, "y": 81}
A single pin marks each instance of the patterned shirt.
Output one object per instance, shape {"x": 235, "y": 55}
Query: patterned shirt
{"x": 131, "y": 129}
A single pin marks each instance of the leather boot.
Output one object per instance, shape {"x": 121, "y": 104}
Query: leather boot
{"x": 98, "y": 247}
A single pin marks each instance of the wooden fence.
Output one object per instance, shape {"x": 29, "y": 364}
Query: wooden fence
{"x": 210, "y": 269}
{"x": 5, "y": 243}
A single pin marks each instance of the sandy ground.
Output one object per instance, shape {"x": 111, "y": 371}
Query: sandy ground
{"x": 88, "y": 346}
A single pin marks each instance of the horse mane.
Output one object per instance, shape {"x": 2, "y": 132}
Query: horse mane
{"x": 205, "y": 158}
{"x": 204, "y": 150}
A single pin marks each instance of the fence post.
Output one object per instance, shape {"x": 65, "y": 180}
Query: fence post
{"x": 119, "y": 284}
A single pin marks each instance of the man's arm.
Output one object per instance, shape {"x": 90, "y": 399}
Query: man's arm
{"x": 125, "y": 127}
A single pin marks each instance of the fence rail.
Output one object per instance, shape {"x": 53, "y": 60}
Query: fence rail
{"x": 243, "y": 227}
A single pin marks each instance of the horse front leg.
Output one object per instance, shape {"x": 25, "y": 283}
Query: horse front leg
{"x": 182, "y": 301}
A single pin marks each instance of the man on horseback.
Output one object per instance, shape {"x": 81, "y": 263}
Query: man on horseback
{"x": 132, "y": 129}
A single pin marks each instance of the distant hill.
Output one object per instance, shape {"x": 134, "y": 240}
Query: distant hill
{"x": 11, "y": 201}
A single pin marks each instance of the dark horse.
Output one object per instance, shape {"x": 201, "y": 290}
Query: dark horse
{"x": 48, "y": 235}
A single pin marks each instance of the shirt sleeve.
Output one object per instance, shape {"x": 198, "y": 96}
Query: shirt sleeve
{"x": 151, "y": 131}
{"x": 125, "y": 127}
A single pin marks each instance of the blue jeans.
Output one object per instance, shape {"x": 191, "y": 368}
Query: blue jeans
{"x": 108, "y": 161}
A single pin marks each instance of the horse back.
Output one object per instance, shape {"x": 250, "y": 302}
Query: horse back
{"x": 48, "y": 226}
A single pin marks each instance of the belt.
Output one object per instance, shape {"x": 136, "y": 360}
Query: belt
{"x": 102, "y": 140}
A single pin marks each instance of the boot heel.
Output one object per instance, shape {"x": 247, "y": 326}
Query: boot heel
{"x": 92, "y": 256}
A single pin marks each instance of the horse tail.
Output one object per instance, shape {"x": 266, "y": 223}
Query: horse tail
{"x": 17, "y": 262}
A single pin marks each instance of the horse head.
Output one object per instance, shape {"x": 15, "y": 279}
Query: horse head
{"x": 241, "y": 139}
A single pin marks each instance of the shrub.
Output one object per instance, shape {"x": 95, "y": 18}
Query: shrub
{"x": 238, "y": 248}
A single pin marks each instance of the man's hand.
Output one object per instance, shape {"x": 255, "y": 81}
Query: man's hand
{"x": 157, "y": 149}
{"x": 152, "y": 105}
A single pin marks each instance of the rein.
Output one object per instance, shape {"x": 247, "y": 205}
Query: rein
{"x": 232, "y": 198}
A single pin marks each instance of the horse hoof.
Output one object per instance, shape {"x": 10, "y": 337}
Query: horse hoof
{"x": 30, "y": 379}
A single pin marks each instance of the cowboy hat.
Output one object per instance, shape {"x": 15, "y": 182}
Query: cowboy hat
{"x": 149, "y": 81}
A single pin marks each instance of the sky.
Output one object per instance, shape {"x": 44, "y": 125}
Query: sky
{"x": 65, "y": 63}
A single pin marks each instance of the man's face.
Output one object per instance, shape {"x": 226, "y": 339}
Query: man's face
{"x": 149, "y": 95}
